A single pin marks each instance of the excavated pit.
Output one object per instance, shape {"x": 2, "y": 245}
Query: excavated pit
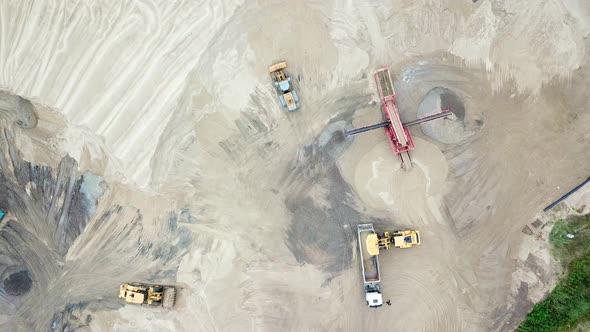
{"x": 452, "y": 129}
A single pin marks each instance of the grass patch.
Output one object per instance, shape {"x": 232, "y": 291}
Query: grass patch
{"x": 566, "y": 249}
{"x": 568, "y": 305}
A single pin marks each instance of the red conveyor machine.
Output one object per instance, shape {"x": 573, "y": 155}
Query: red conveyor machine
{"x": 398, "y": 133}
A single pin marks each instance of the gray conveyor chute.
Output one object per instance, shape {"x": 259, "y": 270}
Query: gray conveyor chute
{"x": 367, "y": 128}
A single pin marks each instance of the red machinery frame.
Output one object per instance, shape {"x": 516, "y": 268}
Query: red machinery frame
{"x": 390, "y": 113}
{"x": 398, "y": 133}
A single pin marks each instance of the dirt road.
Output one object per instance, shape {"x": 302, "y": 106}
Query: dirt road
{"x": 143, "y": 141}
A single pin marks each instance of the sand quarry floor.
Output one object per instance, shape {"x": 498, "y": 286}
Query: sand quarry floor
{"x": 144, "y": 141}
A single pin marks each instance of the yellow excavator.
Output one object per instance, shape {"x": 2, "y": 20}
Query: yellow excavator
{"x": 386, "y": 240}
{"x": 153, "y": 295}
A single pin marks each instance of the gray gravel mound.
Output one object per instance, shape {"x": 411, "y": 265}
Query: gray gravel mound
{"x": 450, "y": 130}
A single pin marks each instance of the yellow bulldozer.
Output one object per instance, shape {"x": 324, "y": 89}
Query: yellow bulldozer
{"x": 397, "y": 239}
{"x": 153, "y": 295}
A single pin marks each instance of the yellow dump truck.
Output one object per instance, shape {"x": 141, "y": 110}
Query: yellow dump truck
{"x": 154, "y": 295}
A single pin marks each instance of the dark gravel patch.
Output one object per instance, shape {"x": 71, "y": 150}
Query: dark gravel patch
{"x": 18, "y": 284}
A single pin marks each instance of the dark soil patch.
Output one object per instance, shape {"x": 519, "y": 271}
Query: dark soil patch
{"x": 18, "y": 283}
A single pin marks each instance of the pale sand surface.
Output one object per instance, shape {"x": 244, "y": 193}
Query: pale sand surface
{"x": 207, "y": 184}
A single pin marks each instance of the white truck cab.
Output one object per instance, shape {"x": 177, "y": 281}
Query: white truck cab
{"x": 374, "y": 299}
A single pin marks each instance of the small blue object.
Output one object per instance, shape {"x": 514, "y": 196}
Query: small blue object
{"x": 2, "y": 213}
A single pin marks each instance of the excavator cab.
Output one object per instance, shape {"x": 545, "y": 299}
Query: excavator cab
{"x": 133, "y": 293}
{"x": 406, "y": 239}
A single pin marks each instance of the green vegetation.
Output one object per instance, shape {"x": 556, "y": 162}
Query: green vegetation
{"x": 568, "y": 305}
{"x": 566, "y": 249}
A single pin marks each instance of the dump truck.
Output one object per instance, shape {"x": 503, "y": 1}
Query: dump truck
{"x": 370, "y": 265}
{"x": 284, "y": 86}
{"x": 153, "y": 295}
